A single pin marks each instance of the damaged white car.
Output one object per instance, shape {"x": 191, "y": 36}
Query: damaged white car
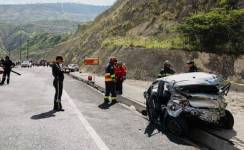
{"x": 179, "y": 100}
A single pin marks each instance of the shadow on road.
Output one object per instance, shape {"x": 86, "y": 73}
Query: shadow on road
{"x": 44, "y": 115}
{"x": 150, "y": 130}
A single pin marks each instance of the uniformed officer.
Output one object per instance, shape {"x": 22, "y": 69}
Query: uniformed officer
{"x": 58, "y": 75}
{"x": 110, "y": 83}
{"x": 7, "y": 67}
{"x": 167, "y": 70}
{"x": 191, "y": 66}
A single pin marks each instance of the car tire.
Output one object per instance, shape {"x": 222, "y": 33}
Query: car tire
{"x": 176, "y": 126}
{"x": 153, "y": 113}
{"x": 227, "y": 122}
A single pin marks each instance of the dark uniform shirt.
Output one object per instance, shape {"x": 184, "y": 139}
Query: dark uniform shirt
{"x": 166, "y": 71}
{"x": 193, "y": 69}
{"x": 57, "y": 72}
{"x": 7, "y": 65}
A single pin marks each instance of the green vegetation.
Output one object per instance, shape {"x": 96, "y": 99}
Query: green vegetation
{"x": 170, "y": 43}
{"x": 41, "y": 26}
{"x": 45, "y": 40}
{"x": 220, "y": 30}
{"x": 38, "y": 41}
{"x": 15, "y": 38}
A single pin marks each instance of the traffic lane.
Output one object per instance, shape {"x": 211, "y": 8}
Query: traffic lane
{"x": 119, "y": 127}
{"x": 27, "y": 122}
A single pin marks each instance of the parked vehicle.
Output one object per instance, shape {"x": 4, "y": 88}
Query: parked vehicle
{"x": 73, "y": 67}
{"x": 177, "y": 100}
{"x": 26, "y": 64}
{"x": 66, "y": 69}
{"x": 43, "y": 63}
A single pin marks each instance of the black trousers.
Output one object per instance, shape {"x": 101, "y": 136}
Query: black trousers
{"x": 6, "y": 74}
{"x": 58, "y": 85}
{"x": 110, "y": 90}
{"x": 119, "y": 87}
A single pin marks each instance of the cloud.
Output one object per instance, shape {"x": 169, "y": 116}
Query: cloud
{"x": 93, "y": 2}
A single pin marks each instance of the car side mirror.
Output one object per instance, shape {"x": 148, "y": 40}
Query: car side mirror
{"x": 145, "y": 94}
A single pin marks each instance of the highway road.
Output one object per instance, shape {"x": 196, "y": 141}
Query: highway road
{"x": 28, "y": 122}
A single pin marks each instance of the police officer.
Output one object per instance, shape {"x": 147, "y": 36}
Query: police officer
{"x": 58, "y": 75}
{"x": 110, "y": 83}
{"x": 191, "y": 66}
{"x": 167, "y": 70}
{"x": 7, "y": 67}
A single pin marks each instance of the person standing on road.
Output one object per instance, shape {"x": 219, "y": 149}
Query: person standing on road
{"x": 110, "y": 82}
{"x": 167, "y": 70}
{"x": 7, "y": 67}
{"x": 58, "y": 74}
{"x": 120, "y": 74}
{"x": 192, "y": 67}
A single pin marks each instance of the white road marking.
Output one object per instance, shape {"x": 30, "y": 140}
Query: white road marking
{"x": 101, "y": 145}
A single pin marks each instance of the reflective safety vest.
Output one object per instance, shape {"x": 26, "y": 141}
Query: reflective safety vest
{"x": 109, "y": 77}
{"x": 109, "y": 73}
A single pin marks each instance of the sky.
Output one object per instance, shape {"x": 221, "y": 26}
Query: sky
{"x": 93, "y": 2}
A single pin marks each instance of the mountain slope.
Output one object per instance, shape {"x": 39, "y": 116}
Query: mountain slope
{"x": 21, "y": 22}
{"x": 24, "y": 14}
{"x": 142, "y": 33}
{"x": 129, "y": 19}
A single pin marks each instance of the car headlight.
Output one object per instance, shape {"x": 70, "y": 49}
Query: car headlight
{"x": 184, "y": 103}
{"x": 180, "y": 99}
{"x": 174, "y": 106}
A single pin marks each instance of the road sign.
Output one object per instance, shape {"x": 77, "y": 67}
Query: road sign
{"x": 91, "y": 61}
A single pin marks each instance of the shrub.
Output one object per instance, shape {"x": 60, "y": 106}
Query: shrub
{"x": 219, "y": 30}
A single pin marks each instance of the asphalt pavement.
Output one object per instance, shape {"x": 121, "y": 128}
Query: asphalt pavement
{"x": 28, "y": 122}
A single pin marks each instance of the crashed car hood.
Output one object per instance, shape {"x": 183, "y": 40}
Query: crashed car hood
{"x": 207, "y": 101}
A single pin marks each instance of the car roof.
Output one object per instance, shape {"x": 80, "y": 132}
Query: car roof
{"x": 196, "y": 78}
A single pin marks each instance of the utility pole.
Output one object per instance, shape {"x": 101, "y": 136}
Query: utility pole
{"x": 27, "y": 50}
{"x": 9, "y": 53}
{"x": 20, "y": 55}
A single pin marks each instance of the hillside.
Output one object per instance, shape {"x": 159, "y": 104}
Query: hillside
{"x": 24, "y": 14}
{"x": 15, "y": 38}
{"x": 18, "y": 23}
{"x": 53, "y": 17}
{"x": 146, "y": 30}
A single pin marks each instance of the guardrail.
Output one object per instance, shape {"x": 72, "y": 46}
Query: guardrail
{"x": 200, "y": 136}
{"x": 237, "y": 86}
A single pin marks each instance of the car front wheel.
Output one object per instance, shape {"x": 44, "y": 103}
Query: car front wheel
{"x": 227, "y": 121}
{"x": 176, "y": 126}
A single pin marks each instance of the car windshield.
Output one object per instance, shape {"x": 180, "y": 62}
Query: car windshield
{"x": 206, "y": 89}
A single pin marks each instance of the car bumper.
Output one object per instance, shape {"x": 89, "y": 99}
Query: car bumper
{"x": 207, "y": 115}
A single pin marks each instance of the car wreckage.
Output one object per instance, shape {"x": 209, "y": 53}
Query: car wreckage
{"x": 177, "y": 101}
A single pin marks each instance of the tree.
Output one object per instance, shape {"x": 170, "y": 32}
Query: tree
{"x": 219, "y": 30}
